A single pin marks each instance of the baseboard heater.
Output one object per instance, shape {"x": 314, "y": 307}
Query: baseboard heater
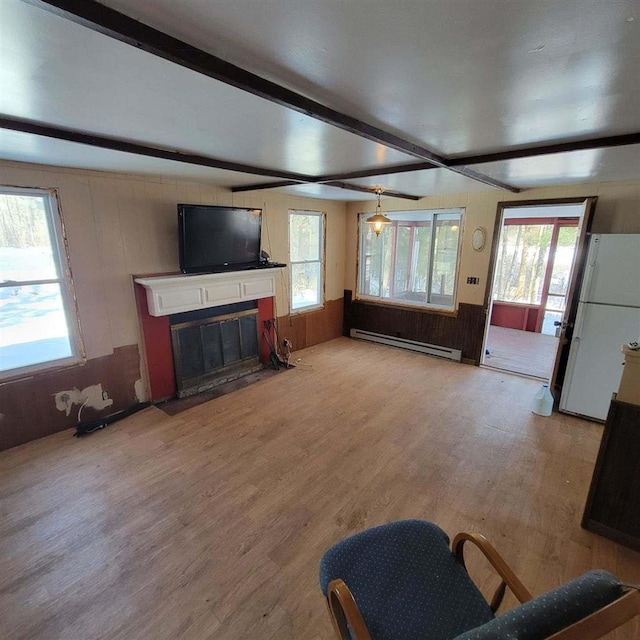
{"x": 411, "y": 345}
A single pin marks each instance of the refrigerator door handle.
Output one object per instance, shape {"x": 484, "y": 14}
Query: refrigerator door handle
{"x": 590, "y": 268}
{"x": 579, "y": 321}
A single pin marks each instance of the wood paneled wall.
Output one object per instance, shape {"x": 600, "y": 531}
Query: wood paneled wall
{"x": 29, "y": 409}
{"x": 463, "y": 331}
{"x": 313, "y": 327}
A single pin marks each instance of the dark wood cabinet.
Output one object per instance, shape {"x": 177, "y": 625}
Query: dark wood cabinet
{"x": 613, "y": 504}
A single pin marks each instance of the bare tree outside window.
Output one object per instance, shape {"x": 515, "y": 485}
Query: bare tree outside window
{"x": 522, "y": 261}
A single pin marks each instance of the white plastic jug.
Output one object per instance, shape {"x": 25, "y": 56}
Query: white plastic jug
{"x": 543, "y": 401}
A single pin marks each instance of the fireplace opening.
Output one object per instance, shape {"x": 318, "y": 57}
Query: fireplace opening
{"x": 210, "y": 351}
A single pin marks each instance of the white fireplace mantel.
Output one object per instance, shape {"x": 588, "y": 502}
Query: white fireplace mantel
{"x": 175, "y": 294}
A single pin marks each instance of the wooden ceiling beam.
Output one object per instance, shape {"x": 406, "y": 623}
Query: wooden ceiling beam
{"x": 496, "y": 156}
{"x": 547, "y": 149}
{"x": 380, "y": 171}
{"x": 331, "y": 183}
{"x": 100, "y": 18}
{"x": 267, "y": 185}
{"x": 116, "y": 144}
{"x": 356, "y": 187}
{"x": 363, "y": 173}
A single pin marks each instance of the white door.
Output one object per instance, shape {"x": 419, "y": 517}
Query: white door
{"x": 595, "y": 361}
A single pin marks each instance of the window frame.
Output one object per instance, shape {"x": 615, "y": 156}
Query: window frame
{"x": 418, "y": 306}
{"x": 322, "y": 260}
{"x": 60, "y": 252}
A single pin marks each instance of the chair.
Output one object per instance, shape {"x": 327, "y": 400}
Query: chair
{"x": 401, "y": 581}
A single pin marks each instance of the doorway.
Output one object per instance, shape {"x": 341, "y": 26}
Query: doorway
{"x": 535, "y": 260}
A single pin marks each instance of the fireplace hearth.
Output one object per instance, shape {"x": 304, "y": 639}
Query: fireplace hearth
{"x": 215, "y": 349}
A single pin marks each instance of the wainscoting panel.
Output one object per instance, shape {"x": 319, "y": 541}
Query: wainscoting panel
{"x": 463, "y": 331}
{"x": 29, "y": 406}
{"x": 313, "y": 327}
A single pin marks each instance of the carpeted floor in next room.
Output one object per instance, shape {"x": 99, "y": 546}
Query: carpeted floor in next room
{"x": 210, "y": 524}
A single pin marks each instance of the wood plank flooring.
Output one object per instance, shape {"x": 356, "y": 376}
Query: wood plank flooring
{"x": 210, "y": 524}
{"x": 525, "y": 352}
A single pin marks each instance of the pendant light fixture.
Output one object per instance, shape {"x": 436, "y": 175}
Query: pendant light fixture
{"x": 378, "y": 219}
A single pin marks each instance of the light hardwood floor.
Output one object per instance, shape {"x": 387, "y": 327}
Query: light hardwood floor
{"x": 211, "y": 523}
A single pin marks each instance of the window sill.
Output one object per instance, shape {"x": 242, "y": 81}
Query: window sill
{"x": 533, "y": 305}
{"x": 36, "y": 370}
{"x": 315, "y": 307}
{"x": 442, "y": 311}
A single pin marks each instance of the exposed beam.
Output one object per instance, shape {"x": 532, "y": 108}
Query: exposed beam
{"x": 331, "y": 183}
{"x": 267, "y": 185}
{"x": 356, "y": 187}
{"x": 116, "y": 144}
{"x": 380, "y": 171}
{"x": 548, "y": 148}
{"x": 509, "y": 154}
{"x": 363, "y": 173}
{"x": 121, "y": 27}
{"x": 105, "y": 142}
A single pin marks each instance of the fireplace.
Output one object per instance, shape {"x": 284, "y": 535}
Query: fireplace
{"x": 216, "y": 349}
{"x": 201, "y": 330}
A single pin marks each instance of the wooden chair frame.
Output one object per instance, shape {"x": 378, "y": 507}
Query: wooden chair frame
{"x": 604, "y": 620}
{"x": 345, "y": 614}
{"x": 344, "y": 611}
{"x": 509, "y": 578}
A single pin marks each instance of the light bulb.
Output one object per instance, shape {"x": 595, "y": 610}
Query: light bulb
{"x": 377, "y": 227}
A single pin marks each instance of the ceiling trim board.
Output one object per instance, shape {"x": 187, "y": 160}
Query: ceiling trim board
{"x": 115, "y": 144}
{"x": 103, "y": 19}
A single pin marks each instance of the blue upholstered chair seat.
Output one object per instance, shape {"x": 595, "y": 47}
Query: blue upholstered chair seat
{"x": 406, "y": 582}
{"x": 409, "y": 586}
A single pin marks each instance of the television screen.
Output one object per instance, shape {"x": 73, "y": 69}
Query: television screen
{"x": 218, "y": 238}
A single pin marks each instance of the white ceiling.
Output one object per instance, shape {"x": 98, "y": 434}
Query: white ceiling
{"x": 614, "y": 163}
{"x": 23, "y": 147}
{"x": 457, "y": 76}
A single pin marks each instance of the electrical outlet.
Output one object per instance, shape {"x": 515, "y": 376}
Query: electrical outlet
{"x": 473, "y": 280}
{"x": 105, "y": 395}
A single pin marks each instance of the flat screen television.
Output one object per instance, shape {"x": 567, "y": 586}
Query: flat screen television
{"x": 218, "y": 238}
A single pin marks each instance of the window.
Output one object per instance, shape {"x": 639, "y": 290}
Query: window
{"x": 414, "y": 261}
{"x": 38, "y": 325}
{"x": 523, "y": 256}
{"x": 522, "y": 263}
{"x": 306, "y": 247}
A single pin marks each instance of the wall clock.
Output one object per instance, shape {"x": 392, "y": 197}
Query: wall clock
{"x": 478, "y": 238}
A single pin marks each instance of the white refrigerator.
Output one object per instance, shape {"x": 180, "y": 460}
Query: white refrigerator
{"x": 608, "y": 316}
